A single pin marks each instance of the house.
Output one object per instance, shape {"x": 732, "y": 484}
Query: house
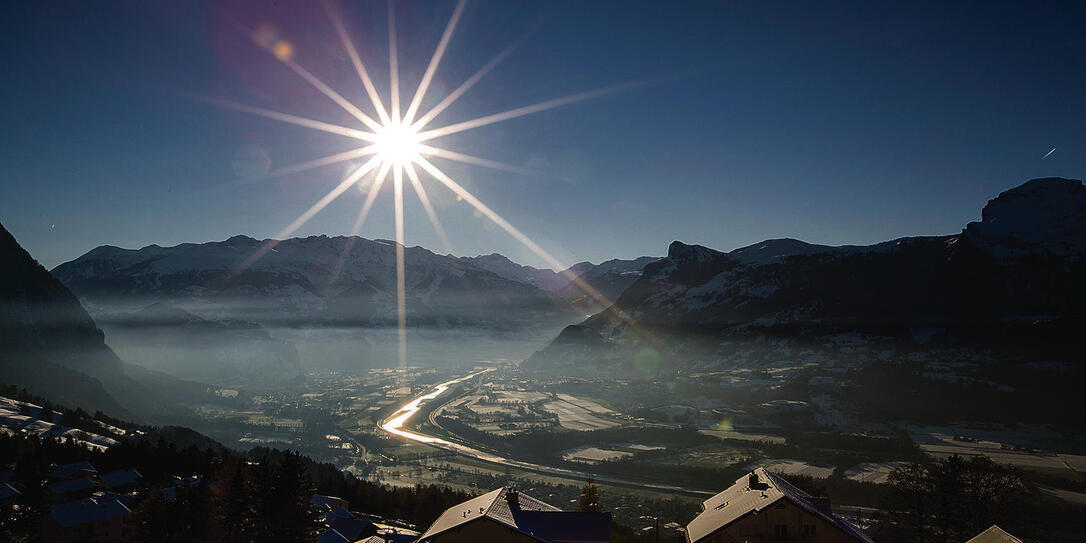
{"x": 192, "y": 481}
{"x": 762, "y": 506}
{"x": 121, "y": 478}
{"x": 327, "y": 503}
{"x": 89, "y": 519}
{"x": 995, "y": 534}
{"x": 73, "y": 470}
{"x": 353, "y": 528}
{"x": 505, "y": 514}
{"x": 71, "y": 487}
{"x": 332, "y": 536}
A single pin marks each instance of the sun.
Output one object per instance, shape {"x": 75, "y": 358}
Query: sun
{"x": 399, "y": 145}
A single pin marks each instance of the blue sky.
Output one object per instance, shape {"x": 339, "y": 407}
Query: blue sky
{"x": 831, "y": 122}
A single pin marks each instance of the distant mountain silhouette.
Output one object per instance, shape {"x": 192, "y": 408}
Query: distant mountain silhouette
{"x": 343, "y": 280}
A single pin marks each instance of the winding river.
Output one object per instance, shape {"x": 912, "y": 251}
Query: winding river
{"x": 394, "y": 425}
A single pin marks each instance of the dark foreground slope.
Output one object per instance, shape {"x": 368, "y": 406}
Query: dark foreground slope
{"x": 51, "y": 346}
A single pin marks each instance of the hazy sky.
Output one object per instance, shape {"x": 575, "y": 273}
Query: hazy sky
{"x": 829, "y": 122}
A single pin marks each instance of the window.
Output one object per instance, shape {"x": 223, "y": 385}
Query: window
{"x": 808, "y": 530}
{"x": 780, "y": 531}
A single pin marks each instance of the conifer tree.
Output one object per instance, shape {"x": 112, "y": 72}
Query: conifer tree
{"x": 590, "y": 498}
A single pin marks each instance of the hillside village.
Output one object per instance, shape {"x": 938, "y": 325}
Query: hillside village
{"x": 53, "y": 490}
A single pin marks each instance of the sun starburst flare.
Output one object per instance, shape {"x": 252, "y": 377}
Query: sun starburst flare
{"x": 399, "y": 145}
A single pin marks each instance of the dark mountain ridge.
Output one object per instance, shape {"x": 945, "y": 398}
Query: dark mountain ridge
{"x": 51, "y": 346}
{"x": 1013, "y": 279}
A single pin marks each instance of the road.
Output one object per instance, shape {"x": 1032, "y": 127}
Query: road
{"x": 394, "y": 425}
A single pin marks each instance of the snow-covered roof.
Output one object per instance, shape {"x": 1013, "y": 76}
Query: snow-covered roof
{"x": 86, "y": 510}
{"x": 121, "y": 478}
{"x": 493, "y": 505}
{"x": 753, "y": 493}
{"x": 995, "y": 534}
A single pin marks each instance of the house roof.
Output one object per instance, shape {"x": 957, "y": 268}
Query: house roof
{"x": 752, "y": 493}
{"x": 995, "y": 534}
{"x": 121, "y": 478}
{"x": 332, "y": 536}
{"x": 86, "y": 510}
{"x": 492, "y": 505}
{"x": 325, "y": 502}
{"x": 7, "y": 491}
{"x": 352, "y": 528}
{"x": 566, "y": 526}
{"x": 68, "y": 471}
{"x": 330, "y": 516}
{"x": 72, "y": 485}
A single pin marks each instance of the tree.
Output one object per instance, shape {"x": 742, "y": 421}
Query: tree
{"x": 234, "y": 516}
{"x": 954, "y": 500}
{"x": 287, "y": 513}
{"x": 590, "y": 498}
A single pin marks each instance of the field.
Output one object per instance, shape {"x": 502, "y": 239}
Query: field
{"x": 1000, "y": 446}
{"x": 580, "y": 414}
{"x": 795, "y": 467}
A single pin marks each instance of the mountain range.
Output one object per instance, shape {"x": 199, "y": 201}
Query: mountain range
{"x": 203, "y": 311}
{"x": 1006, "y": 289}
{"x": 1012, "y": 281}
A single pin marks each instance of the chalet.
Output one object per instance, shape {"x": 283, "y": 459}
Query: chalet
{"x": 327, "y": 503}
{"x": 90, "y": 519}
{"x": 121, "y": 478}
{"x": 70, "y": 488}
{"x": 762, "y": 506}
{"x": 507, "y": 515}
{"x": 72, "y": 471}
{"x": 995, "y": 534}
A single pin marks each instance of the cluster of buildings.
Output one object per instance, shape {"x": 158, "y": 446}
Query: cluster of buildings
{"x": 340, "y": 525}
{"x": 87, "y": 505}
{"x": 760, "y": 506}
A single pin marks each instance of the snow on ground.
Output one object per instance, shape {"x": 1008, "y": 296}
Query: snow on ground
{"x": 793, "y": 467}
{"x": 872, "y": 472}
{"x": 592, "y": 455}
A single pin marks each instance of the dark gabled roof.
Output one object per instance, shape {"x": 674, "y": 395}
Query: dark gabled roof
{"x": 72, "y": 485}
{"x": 352, "y": 528}
{"x": 332, "y": 536}
{"x": 87, "y": 510}
{"x": 67, "y": 471}
{"x": 995, "y": 534}
{"x": 492, "y": 505}
{"x": 121, "y": 478}
{"x": 743, "y": 498}
{"x": 566, "y": 526}
{"x": 324, "y": 502}
{"x": 7, "y": 491}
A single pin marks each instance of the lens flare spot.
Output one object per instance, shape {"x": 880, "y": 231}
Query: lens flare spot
{"x": 250, "y": 162}
{"x": 283, "y": 50}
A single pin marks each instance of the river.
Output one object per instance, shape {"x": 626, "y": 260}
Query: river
{"x": 394, "y": 425}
